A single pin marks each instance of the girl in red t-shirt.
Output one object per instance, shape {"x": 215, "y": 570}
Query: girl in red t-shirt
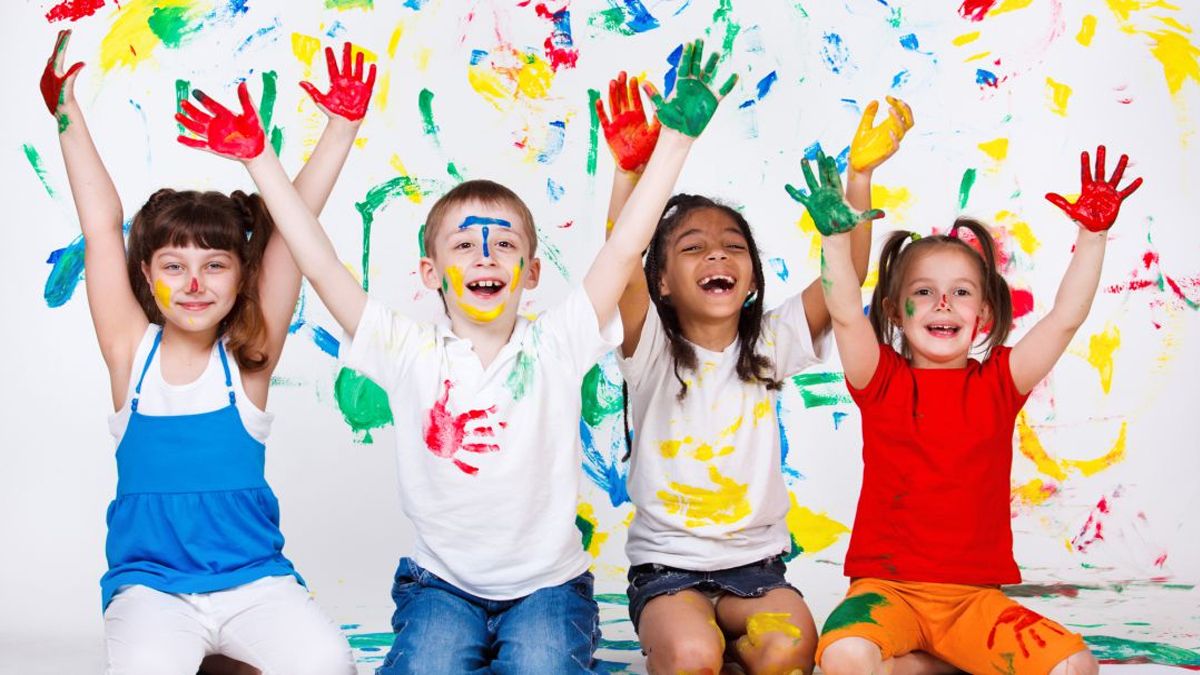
{"x": 932, "y": 539}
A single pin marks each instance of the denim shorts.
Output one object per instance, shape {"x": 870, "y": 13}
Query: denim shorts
{"x": 650, "y": 580}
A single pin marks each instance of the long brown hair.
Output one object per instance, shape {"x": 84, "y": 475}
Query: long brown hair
{"x": 903, "y": 247}
{"x": 238, "y": 223}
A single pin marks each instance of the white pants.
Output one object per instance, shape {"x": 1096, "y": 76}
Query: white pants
{"x": 272, "y": 624}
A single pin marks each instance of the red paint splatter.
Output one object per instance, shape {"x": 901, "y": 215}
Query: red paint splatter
{"x": 1023, "y": 620}
{"x": 1160, "y": 560}
{"x": 560, "y": 49}
{"x": 566, "y": 225}
{"x": 1162, "y": 281}
{"x": 73, "y": 10}
{"x": 445, "y": 432}
{"x": 1093, "y": 528}
{"x": 975, "y": 10}
{"x": 1125, "y": 101}
{"x": 1022, "y": 302}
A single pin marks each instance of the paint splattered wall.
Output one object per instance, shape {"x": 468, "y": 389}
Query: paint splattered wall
{"x": 1006, "y": 93}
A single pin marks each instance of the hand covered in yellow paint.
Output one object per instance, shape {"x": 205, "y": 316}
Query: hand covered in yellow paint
{"x": 872, "y": 145}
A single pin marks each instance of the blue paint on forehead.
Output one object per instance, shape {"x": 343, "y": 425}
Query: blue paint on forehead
{"x": 484, "y": 222}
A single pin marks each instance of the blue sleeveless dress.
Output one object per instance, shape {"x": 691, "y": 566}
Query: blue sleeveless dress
{"x": 193, "y": 511}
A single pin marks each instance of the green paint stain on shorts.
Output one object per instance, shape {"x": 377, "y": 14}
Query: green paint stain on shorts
{"x": 363, "y": 403}
{"x": 854, "y": 610}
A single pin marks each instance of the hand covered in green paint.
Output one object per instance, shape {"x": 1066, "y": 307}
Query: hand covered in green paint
{"x": 693, "y": 103}
{"x": 872, "y": 145}
{"x": 826, "y": 200}
{"x": 58, "y": 88}
{"x": 220, "y": 130}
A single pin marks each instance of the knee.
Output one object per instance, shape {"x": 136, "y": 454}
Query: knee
{"x": 1079, "y": 663}
{"x": 778, "y": 653}
{"x": 688, "y": 654}
{"x": 850, "y": 656}
{"x": 547, "y": 658}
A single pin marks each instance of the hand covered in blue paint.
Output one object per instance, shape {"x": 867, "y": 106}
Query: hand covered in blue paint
{"x": 826, "y": 200}
{"x": 693, "y": 103}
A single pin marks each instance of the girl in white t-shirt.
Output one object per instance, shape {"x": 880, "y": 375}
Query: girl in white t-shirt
{"x": 703, "y": 372}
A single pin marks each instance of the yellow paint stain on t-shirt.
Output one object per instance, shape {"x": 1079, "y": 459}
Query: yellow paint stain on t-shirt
{"x": 1100, "y": 353}
{"x": 723, "y": 504}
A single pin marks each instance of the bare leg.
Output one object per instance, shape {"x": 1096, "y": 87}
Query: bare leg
{"x": 777, "y": 633}
{"x": 1079, "y": 663}
{"x": 680, "y": 635}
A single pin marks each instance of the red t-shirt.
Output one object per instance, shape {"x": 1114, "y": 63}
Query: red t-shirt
{"x": 937, "y": 456}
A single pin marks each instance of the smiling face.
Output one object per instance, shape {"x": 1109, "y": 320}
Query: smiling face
{"x": 708, "y": 272}
{"x": 194, "y": 288}
{"x": 941, "y": 307}
{"x": 481, "y": 260}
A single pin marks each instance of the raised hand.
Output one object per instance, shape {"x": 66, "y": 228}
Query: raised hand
{"x": 826, "y": 201}
{"x": 630, "y": 138}
{"x": 58, "y": 87}
{"x": 693, "y": 103}
{"x": 872, "y": 145}
{"x": 348, "y": 94}
{"x": 1099, "y": 200}
{"x": 220, "y": 130}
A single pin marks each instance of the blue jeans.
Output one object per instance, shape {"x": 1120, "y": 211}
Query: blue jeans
{"x": 442, "y": 629}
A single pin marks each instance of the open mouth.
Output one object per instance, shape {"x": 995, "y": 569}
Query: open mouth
{"x": 486, "y": 287}
{"x": 717, "y": 284}
{"x": 943, "y": 330}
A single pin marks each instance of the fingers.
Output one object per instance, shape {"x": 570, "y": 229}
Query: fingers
{"x": 1100, "y": 164}
{"x": 710, "y": 69}
{"x": 1085, "y": 168}
{"x": 809, "y": 178}
{"x": 614, "y": 96}
{"x": 358, "y": 65}
{"x": 195, "y": 113}
{"x": 73, "y": 70}
{"x": 872, "y": 214}
{"x": 728, "y": 86}
{"x": 697, "y": 56}
{"x": 829, "y": 170}
{"x": 312, "y": 91}
{"x": 1119, "y": 171}
{"x": 1059, "y": 201}
{"x": 867, "y": 120}
{"x": 346, "y": 62}
{"x": 635, "y": 97}
{"x": 656, "y": 98}
{"x": 604, "y": 122}
{"x": 60, "y": 48}
{"x": 331, "y": 65}
{"x": 1137, "y": 183}
{"x": 796, "y": 194}
{"x": 190, "y": 142}
{"x": 371, "y": 77}
{"x": 906, "y": 114}
{"x": 247, "y": 106}
{"x": 212, "y": 105}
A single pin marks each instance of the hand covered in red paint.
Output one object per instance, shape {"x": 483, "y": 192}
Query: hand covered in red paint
{"x": 348, "y": 94}
{"x": 630, "y": 138}
{"x": 872, "y": 145}
{"x": 58, "y": 88}
{"x": 1099, "y": 200}
{"x": 221, "y": 131}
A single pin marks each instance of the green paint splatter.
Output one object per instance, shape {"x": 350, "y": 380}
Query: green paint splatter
{"x": 800, "y": 8}
{"x": 895, "y": 18}
{"x": 266, "y": 108}
{"x": 521, "y": 375}
{"x": 183, "y": 89}
{"x": 363, "y": 403}
{"x": 586, "y": 528}
{"x": 723, "y": 14}
{"x": 796, "y": 549}
{"x": 1134, "y": 651}
{"x": 601, "y": 397}
{"x": 594, "y": 132}
{"x": 372, "y": 641}
{"x": 425, "y": 103}
{"x": 853, "y": 610}
{"x": 611, "y": 20}
{"x": 374, "y": 200}
{"x": 552, "y": 254}
{"x": 173, "y": 24}
{"x": 453, "y": 171}
{"x": 620, "y": 645}
{"x": 35, "y": 160}
{"x": 964, "y": 188}
{"x": 910, "y": 307}
{"x": 612, "y": 598}
{"x": 343, "y": 5}
{"x": 808, "y": 384}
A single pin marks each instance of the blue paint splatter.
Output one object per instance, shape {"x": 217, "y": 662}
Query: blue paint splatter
{"x": 337, "y": 28}
{"x": 606, "y": 472}
{"x": 810, "y": 153}
{"x": 763, "y": 87}
{"x": 553, "y": 190}
{"x": 784, "y": 446}
{"x": 557, "y": 136}
{"x": 837, "y": 419}
{"x": 66, "y": 273}
{"x": 985, "y": 78}
{"x": 477, "y": 55}
{"x": 910, "y": 42}
{"x": 325, "y": 341}
{"x": 261, "y": 32}
{"x": 835, "y": 53}
{"x": 669, "y": 79}
{"x": 901, "y": 78}
{"x": 779, "y": 265}
{"x": 636, "y": 17}
{"x": 415, "y": 4}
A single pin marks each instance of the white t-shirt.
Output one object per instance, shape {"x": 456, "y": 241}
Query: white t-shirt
{"x": 489, "y": 459}
{"x": 204, "y": 394}
{"x": 705, "y": 475}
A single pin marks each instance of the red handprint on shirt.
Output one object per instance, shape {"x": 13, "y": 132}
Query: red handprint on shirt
{"x": 629, "y": 136}
{"x": 445, "y": 431}
{"x": 1023, "y": 620}
{"x": 349, "y": 93}
{"x": 1099, "y": 200}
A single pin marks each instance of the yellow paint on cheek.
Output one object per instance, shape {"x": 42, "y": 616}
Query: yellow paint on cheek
{"x": 1059, "y": 94}
{"x": 1087, "y": 31}
{"x": 763, "y": 623}
{"x": 812, "y": 532}
{"x": 455, "y": 278}
{"x": 700, "y": 506}
{"x": 1100, "y": 353}
{"x": 516, "y": 279}
{"x": 162, "y": 293}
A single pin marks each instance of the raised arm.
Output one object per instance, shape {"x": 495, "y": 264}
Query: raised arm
{"x": 241, "y": 137}
{"x": 872, "y": 145}
{"x": 836, "y": 220}
{"x": 118, "y": 318}
{"x": 1095, "y": 211}
{"x": 684, "y": 117}
{"x": 631, "y": 140}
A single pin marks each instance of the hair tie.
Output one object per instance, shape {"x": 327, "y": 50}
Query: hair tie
{"x": 914, "y": 236}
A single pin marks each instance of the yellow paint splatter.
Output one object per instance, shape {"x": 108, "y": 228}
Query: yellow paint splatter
{"x": 701, "y": 506}
{"x": 421, "y": 58}
{"x": 965, "y": 38}
{"x": 305, "y": 47}
{"x": 130, "y": 40}
{"x": 1178, "y": 57}
{"x": 162, "y": 293}
{"x": 670, "y": 448}
{"x": 1019, "y": 230}
{"x": 1035, "y": 492}
{"x": 894, "y": 201}
{"x": 534, "y": 77}
{"x": 1009, "y": 6}
{"x": 501, "y": 85}
{"x": 1059, "y": 95}
{"x": 488, "y": 84}
{"x": 977, "y": 57}
{"x": 410, "y": 188}
{"x": 812, "y": 532}
{"x": 996, "y": 149}
{"x": 1100, "y": 353}
{"x": 1090, "y": 467}
{"x": 1032, "y": 448}
{"x": 762, "y": 623}
{"x": 587, "y": 513}
{"x": 394, "y": 40}
{"x": 761, "y": 410}
{"x": 1087, "y": 31}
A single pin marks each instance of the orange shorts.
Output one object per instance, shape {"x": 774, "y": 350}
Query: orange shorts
{"x": 976, "y": 628}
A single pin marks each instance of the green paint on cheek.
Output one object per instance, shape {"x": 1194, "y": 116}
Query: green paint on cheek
{"x": 594, "y": 132}
{"x": 909, "y": 308}
{"x": 363, "y": 403}
{"x": 172, "y": 24}
{"x": 854, "y": 610}
{"x": 586, "y": 529}
{"x": 35, "y": 160}
{"x": 1120, "y": 649}
{"x": 964, "y": 188}
{"x": 445, "y": 285}
{"x": 520, "y": 377}
{"x": 601, "y": 397}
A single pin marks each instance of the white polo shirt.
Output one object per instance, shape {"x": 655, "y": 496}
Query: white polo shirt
{"x": 488, "y": 459}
